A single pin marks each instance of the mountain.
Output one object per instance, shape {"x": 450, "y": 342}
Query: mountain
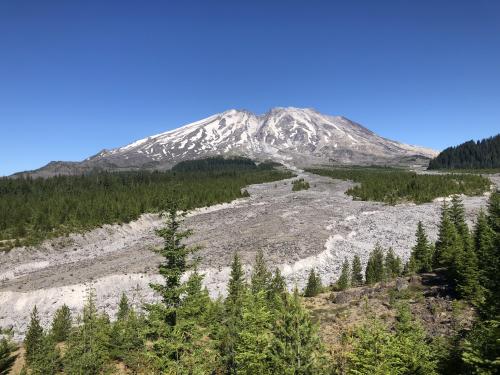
{"x": 470, "y": 155}
{"x": 296, "y": 136}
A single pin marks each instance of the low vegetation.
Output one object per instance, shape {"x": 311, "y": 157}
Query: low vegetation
{"x": 35, "y": 209}
{"x": 390, "y": 185}
{"x": 300, "y": 184}
{"x": 261, "y": 328}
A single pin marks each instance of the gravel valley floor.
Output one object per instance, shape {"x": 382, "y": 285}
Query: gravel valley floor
{"x": 315, "y": 228}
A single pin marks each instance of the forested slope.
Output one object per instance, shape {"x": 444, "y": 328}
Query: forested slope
{"x": 34, "y": 209}
{"x": 470, "y": 155}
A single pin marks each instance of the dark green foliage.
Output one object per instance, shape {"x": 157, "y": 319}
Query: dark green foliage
{"x": 393, "y": 264}
{"x": 481, "y": 353}
{"x": 393, "y": 186}
{"x": 300, "y": 184}
{"x": 344, "y": 280}
{"x": 375, "y": 268}
{"x": 470, "y": 155}
{"x": 61, "y": 324}
{"x": 449, "y": 245}
{"x": 356, "y": 272}
{"x": 313, "y": 287}
{"x": 7, "y": 356}
{"x": 278, "y": 284}
{"x": 422, "y": 253}
{"x": 34, "y": 337}
{"x": 295, "y": 347}
{"x": 261, "y": 277}
{"x": 34, "y": 209}
{"x": 89, "y": 344}
{"x": 123, "y": 307}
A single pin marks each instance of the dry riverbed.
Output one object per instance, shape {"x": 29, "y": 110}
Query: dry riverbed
{"x": 315, "y": 228}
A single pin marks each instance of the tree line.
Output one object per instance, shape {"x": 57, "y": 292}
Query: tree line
{"x": 482, "y": 154}
{"x": 390, "y": 185}
{"x": 35, "y": 209}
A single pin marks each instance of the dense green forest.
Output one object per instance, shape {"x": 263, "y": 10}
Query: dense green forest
{"x": 261, "y": 328}
{"x": 470, "y": 155}
{"x": 35, "y": 209}
{"x": 393, "y": 186}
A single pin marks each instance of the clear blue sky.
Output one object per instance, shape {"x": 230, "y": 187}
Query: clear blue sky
{"x": 80, "y": 76}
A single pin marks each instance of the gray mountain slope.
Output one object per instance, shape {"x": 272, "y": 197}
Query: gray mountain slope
{"x": 294, "y": 136}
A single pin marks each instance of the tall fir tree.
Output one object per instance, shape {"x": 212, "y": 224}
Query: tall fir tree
{"x": 421, "y": 253}
{"x": 295, "y": 347}
{"x": 123, "y": 307}
{"x": 344, "y": 280}
{"x": 393, "y": 264}
{"x": 313, "y": 286}
{"x": 356, "y": 272}
{"x": 375, "y": 270}
{"x": 33, "y": 341}
{"x": 61, "y": 324}
{"x": 261, "y": 276}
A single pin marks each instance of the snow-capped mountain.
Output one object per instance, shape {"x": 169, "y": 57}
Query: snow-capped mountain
{"x": 291, "y": 135}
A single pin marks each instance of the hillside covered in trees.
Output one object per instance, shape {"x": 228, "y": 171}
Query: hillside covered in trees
{"x": 34, "y": 209}
{"x": 482, "y": 154}
{"x": 391, "y": 185}
{"x": 262, "y": 328}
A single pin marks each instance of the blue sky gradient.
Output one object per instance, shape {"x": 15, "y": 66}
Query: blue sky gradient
{"x": 80, "y": 76}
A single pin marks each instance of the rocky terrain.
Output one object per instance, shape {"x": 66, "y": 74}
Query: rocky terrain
{"x": 299, "y": 136}
{"x": 297, "y": 231}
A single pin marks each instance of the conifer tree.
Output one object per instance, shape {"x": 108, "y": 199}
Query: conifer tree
{"x": 468, "y": 277}
{"x": 278, "y": 284}
{"x": 375, "y": 271}
{"x": 393, "y": 266}
{"x": 33, "y": 341}
{"x": 345, "y": 276}
{"x": 255, "y": 336}
{"x": 296, "y": 346}
{"x": 61, "y": 324}
{"x": 7, "y": 356}
{"x": 449, "y": 245}
{"x": 421, "y": 255}
{"x": 260, "y": 276}
{"x": 313, "y": 287}
{"x": 236, "y": 285}
{"x": 356, "y": 272}
{"x": 123, "y": 307}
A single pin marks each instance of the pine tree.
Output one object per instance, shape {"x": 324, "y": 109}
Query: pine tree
{"x": 421, "y": 253}
{"x": 61, "y": 324}
{"x": 313, "y": 287}
{"x": 375, "y": 271}
{"x": 345, "y": 276}
{"x": 236, "y": 285}
{"x": 88, "y": 345}
{"x": 468, "y": 277}
{"x": 7, "y": 356}
{"x": 356, "y": 272}
{"x": 255, "y": 336}
{"x": 449, "y": 245}
{"x": 295, "y": 347}
{"x": 260, "y": 276}
{"x": 33, "y": 340}
{"x": 278, "y": 284}
{"x": 393, "y": 266}
{"x": 175, "y": 262}
{"x": 123, "y": 307}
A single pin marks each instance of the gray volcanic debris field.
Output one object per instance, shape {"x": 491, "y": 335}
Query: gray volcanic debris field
{"x": 315, "y": 228}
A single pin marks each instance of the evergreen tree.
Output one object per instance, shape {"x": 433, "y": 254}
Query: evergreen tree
{"x": 393, "y": 266}
{"x": 278, "y": 284}
{"x": 295, "y": 347}
{"x": 345, "y": 276}
{"x": 260, "y": 276}
{"x": 7, "y": 356}
{"x": 47, "y": 359}
{"x": 421, "y": 253}
{"x": 123, "y": 307}
{"x": 33, "y": 341}
{"x": 356, "y": 272}
{"x": 255, "y": 336}
{"x": 449, "y": 245}
{"x": 88, "y": 345}
{"x": 375, "y": 271}
{"x": 236, "y": 285}
{"x": 61, "y": 324}
{"x": 313, "y": 287}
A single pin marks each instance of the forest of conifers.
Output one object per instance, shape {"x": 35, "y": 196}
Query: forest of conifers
{"x": 34, "y": 209}
{"x": 261, "y": 328}
{"x": 393, "y": 186}
{"x": 470, "y": 155}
